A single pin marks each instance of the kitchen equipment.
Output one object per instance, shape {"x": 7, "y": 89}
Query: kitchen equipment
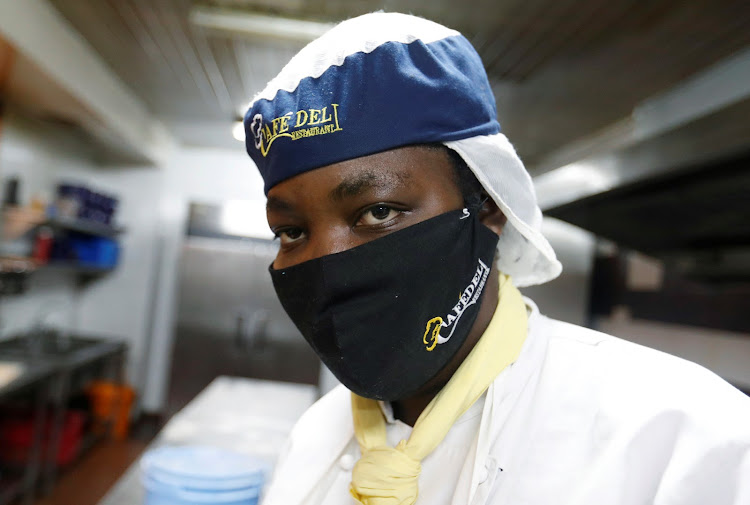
{"x": 110, "y": 405}
{"x": 91, "y": 251}
{"x": 17, "y": 437}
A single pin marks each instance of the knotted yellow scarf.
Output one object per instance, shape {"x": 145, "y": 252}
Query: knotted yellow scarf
{"x": 388, "y": 476}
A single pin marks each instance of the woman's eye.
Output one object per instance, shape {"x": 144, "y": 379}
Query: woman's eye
{"x": 289, "y": 235}
{"x": 377, "y": 215}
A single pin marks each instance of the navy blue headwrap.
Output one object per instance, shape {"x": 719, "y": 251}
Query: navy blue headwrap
{"x": 397, "y": 94}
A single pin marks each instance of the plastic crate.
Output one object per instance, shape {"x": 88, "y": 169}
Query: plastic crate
{"x": 17, "y": 437}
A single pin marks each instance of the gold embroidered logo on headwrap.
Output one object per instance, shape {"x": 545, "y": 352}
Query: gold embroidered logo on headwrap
{"x": 469, "y": 297}
{"x": 295, "y": 125}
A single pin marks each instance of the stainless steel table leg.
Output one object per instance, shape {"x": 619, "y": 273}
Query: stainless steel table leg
{"x": 60, "y": 388}
{"x": 31, "y": 474}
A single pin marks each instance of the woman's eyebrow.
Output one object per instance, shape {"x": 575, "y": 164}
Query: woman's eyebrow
{"x": 367, "y": 181}
{"x": 276, "y": 204}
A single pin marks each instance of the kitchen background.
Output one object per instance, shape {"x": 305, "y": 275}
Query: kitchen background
{"x": 631, "y": 118}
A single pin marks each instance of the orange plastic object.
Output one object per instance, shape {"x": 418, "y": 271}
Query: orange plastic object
{"x": 110, "y": 407}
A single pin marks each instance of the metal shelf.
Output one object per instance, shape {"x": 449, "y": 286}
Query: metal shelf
{"x": 14, "y": 272}
{"x": 76, "y": 268}
{"x": 84, "y": 226}
{"x": 27, "y": 265}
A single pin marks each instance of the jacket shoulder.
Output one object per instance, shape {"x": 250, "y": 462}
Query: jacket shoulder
{"x": 325, "y": 423}
{"x": 626, "y": 375}
{"x": 316, "y": 440}
{"x": 619, "y": 415}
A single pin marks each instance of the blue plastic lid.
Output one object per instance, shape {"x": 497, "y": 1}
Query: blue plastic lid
{"x": 177, "y": 495}
{"x": 203, "y": 468}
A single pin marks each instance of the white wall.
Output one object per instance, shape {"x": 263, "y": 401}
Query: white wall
{"x": 116, "y": 305}
{"x": 121, "y": 303}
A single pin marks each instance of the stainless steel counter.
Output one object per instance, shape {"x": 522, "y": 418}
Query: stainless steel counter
{"x": 52, "y": 366}
{"x": 43, "y": 355}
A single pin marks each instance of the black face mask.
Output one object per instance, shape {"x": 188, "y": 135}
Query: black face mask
{"x": 385, "y": 317}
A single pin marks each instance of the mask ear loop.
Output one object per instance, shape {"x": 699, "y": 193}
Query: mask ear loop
{"x": 468, "y": 210}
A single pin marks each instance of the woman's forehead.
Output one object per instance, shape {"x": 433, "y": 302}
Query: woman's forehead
{"x": 413, "y": 165}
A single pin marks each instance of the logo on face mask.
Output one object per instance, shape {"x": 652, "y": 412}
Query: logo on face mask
{"x": 469, "y": 296}
{"x": 294, "y": 125}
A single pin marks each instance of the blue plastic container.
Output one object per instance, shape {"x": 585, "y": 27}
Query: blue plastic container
{"x": 190, "y": 475}
{"x": 96, "y": 252}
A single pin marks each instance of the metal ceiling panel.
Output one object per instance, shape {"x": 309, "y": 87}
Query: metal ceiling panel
{"x": 561, "y": 69}
{"x": 697, "y": 220}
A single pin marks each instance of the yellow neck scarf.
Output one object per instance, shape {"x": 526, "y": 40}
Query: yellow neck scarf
{"x": 388, "y": 476}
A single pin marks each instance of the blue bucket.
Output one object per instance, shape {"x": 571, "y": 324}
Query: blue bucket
{"x": 191, "y": 475}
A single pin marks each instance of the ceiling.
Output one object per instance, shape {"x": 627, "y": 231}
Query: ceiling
{"x": 561, "y": 69}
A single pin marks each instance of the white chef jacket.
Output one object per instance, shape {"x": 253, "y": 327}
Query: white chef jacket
{"x": 334, "y": 486}
{"x": 581, "y": 418}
